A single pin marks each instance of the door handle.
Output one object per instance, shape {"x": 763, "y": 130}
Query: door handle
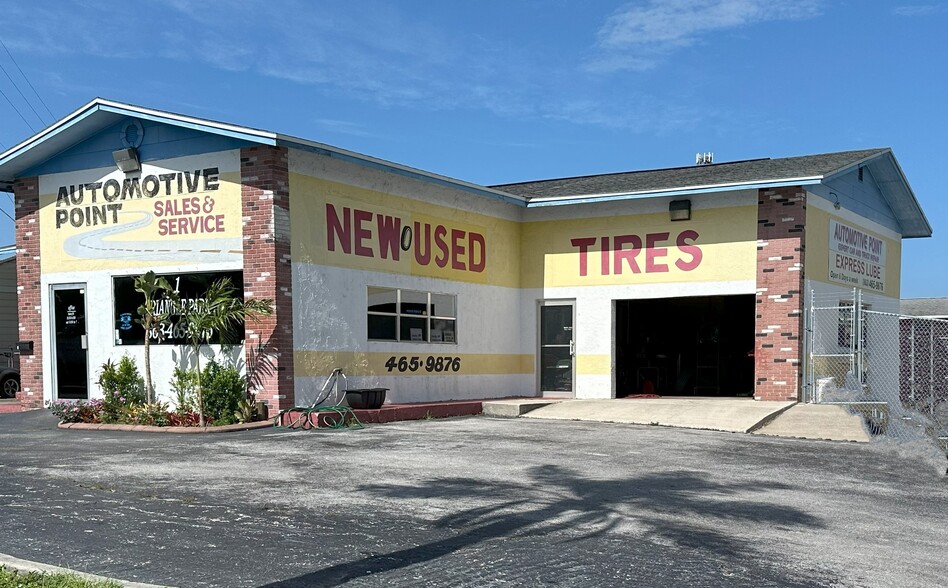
{"x": 84, "y": 341}
{"x": 572, "y": 348}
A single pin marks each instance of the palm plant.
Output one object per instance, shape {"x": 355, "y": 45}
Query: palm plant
{"x": 217, "y": 312}
{"x": 151, "y": 286}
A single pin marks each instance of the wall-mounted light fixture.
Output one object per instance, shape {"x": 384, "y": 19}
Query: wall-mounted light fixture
{"x": 127, "y": 160}
{"x": 679, "y": 210}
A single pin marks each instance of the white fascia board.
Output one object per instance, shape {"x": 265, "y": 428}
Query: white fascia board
{"x": 51, "y": 130}
{"x": 672, "y": 192}
{"x": 201, "y": 124}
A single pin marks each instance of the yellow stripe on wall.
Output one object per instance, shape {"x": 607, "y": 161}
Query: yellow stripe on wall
{"x": 594, "y": 365}
{"x": 309, "y": 197}
{"x": 726, "y": 238}
{"x": 357, "y": 363}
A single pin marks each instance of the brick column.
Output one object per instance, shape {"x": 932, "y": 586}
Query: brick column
{"x": 29, "y": 290}
{"x": 778, "y": 365}
{"x": 265, "y": 196}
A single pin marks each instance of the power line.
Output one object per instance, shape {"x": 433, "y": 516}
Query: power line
{"x": 43, "y": 102}
{"x": 7, "y": 214}
{"x": 4, "y": 70}
{"x": 17, "y": 110}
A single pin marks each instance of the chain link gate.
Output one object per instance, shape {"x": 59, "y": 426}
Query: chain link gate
{"x": 888, "y": 368}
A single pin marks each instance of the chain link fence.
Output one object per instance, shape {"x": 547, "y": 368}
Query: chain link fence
{"x": 890, "y": 369}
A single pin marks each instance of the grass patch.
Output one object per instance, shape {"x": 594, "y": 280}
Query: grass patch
{"x": 14, "y": 579}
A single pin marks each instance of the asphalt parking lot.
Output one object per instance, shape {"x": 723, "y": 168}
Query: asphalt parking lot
{"x": 470, "y": 502}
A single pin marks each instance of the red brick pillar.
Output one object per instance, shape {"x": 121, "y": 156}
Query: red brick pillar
{"x": 778, "y": 365}
{"x": 265, "y": 196}
{"x": 29, "y": 290}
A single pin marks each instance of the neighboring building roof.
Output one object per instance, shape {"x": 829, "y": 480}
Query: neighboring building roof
{"x": 99, "y": 114}
{"x": 927, "y": 307}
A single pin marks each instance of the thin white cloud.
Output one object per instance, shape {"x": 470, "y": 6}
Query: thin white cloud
{"x": 638, "y": 37}
{"x": 383, "y": 55}
{"x": 343, "y": 127}
{"x": 638, "y": 113}
{"x": 917, "y": 9}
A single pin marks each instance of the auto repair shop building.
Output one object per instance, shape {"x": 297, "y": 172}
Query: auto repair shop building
{"x": 689, "y": 281}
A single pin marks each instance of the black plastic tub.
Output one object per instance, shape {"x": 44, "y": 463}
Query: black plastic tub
{"x": 365, "y": 398}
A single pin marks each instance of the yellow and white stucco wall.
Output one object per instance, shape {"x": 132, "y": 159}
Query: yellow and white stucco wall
{"x": 347, "y": 227}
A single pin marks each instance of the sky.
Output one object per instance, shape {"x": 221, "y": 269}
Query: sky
{"x": 504, "y": 91}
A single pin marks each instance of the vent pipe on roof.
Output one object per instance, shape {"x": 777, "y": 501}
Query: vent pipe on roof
{"x": 704, "y": 158}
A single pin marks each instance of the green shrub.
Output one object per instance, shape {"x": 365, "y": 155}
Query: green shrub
{"x": 155, "y": 414}
{"x": 124, "y": 388}
{"x": 123, "y": 380}
{"x": 184, "y": 386}
{"x": 223, "y": 389}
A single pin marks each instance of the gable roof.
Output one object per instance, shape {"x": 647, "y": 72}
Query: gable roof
{"x": 99, "y": 114}
{"x": 738, "y": 175}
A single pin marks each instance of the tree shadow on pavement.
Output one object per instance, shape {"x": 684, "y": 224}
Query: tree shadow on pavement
{"x": 683, "y": 509}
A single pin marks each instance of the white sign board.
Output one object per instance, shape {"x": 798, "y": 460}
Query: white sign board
{"x": 856, "y": 258}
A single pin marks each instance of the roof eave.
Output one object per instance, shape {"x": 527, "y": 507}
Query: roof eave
{"x": 402, "y": 170}
{"x": 674, "y": 192}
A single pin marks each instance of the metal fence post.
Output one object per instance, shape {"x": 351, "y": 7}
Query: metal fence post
{"x": 931, "y": 370}
{"x": 912, "y": 362}
{"x": 857, "y": 342}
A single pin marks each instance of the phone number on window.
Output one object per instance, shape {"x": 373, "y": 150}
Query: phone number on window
{"x": 432, "y": 363}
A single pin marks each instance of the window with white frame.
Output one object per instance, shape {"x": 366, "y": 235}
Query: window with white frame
{"x": 395, "y": 314}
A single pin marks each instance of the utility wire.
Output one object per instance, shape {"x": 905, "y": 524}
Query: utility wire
{"x": 4, "y": 70}
{"x": 17, "y": 110}
{"x": 43, "y": 102}
{"x": 7, "y": 214}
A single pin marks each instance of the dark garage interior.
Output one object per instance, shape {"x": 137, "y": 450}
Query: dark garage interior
{"x": 694, "y": 346}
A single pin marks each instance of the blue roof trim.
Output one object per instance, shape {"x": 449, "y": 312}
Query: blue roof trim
{"x": 32, "y": 144}
{"x": 253, "y": 138}
{"x": 407, "y": 173}
{"x": 857, "y": 164}
{"x": 672, "y": 193}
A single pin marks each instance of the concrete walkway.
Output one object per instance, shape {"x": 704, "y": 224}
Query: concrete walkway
{"x": 817, "y": 421}
{"x": 740, "y": 415}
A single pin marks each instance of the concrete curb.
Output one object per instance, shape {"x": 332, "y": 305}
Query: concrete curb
{"x": 178, "y": 430}
{"x": 24, "y": 565}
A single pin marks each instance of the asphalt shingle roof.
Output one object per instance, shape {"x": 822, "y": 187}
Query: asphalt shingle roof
{"x": 698, "y": 175}
{"x": 924, "y": 306}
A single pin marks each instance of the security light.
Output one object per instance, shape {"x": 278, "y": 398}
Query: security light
{"x": 127, "y": 160}
{"x": 679, "y": 210}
